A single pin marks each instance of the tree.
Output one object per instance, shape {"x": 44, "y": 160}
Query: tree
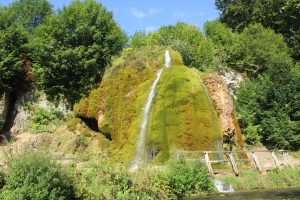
{"x": 268, "y": 107}
{"x": 281, "y": 15}
{"x": 72, "y": 49}
{"x": 30, "y": 13}
{"x": 252, "y": 52}
{"x": 187, "y": 39}
{"x": 17, "y": 22}
{"x": 13, "y": 39}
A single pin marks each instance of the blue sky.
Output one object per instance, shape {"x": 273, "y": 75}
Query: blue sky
{"x": 149, "y": 15}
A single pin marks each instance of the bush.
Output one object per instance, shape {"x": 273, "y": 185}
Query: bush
{"x": 35, "y": 176}
{"x": 43, "y": 120}
{"x": 188, "y": 179}
{"x": 102, "y": 181}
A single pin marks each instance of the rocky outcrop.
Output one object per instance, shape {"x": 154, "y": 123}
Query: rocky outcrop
{"x": 232, "y": 80}
{"x": 224, "y": 106}
{"x": 21, "y": 112}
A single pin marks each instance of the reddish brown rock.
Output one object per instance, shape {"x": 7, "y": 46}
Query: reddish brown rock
{"x": 225, "y": 109}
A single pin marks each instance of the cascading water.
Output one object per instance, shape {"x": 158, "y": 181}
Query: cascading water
{"x": 140, "y": 150}
{"x": 222, "y": 187}
{"x": 167, "y": 59}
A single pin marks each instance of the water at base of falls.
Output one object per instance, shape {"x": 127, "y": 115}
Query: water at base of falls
{"x": 140, "y": 150}
{"x": 223, "y": 187}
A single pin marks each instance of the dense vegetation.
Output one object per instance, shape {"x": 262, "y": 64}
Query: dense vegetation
{"x": 66, "y": 52}
{"x": 36, "y": 176}
{"x": 283, "y": 16}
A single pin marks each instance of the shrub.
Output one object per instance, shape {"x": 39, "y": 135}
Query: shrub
{"x": 102, "y": 181}
{"x": 43, "y": 120}
{"x": 36, "y": 176}
{"x": 186, "y": 179}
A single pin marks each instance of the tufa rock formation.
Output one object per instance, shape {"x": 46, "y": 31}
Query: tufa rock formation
{"x": 181, "y": 116}
{"x": 224, "y": 106}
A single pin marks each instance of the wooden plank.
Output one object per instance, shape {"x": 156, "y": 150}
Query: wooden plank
{"x": 233, "y": 164}
{"x": 255, "y": 159}
{"x": 208, "y": 164}
{"x": 275, "y": 159}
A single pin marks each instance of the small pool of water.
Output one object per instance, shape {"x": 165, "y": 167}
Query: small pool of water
{"x": 278, "y": 194}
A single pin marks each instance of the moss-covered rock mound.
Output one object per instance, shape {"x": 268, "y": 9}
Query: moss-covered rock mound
{"x": 181, "y": 116}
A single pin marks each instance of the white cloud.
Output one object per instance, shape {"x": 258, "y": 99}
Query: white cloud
{"x": 138, "y": 14}
{"x": 153, "y": 11}
{"x": 179, "y": 14}
{"x": 151, "y": 28}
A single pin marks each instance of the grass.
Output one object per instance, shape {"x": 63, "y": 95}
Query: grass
{"x": 276, "y": 178}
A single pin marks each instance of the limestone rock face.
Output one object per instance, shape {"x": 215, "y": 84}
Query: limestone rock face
{"x": 21, "y": 113}
{"x": 3, "y": 109}
{"x": 232, "y": 80}
{"x": 224, "y": 106}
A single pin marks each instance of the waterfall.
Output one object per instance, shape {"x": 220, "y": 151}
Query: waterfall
{"x": 167, "y": 59}
{"x": 140, "y": 149}
{"x": 223, "y": 187}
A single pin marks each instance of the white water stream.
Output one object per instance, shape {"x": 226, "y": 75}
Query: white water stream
{"x": 222, "y": 187}
{"x": 140, "y": 149}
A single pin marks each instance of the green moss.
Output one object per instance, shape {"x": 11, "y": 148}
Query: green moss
{"x": 182, "y": 116}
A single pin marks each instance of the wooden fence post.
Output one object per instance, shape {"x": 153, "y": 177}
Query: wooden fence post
{"x": 208, "y": 164}
{"x": 275, "y": 159}
{"x": 286, "y": 159}
{"x": 233, "y": 164}
{"x": 255, "y": 159}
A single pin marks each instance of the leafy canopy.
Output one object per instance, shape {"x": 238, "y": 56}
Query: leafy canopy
{"x": 73, "y": 48}
{"x": 283, "y": 16}
{"x": 187, "y": 39}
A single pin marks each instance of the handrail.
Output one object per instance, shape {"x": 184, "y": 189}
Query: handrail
{"x": 238, "y": 151}
{"x": 254, "y": 158}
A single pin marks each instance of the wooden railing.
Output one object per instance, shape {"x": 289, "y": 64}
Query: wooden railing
{"x": 250, "y": 156}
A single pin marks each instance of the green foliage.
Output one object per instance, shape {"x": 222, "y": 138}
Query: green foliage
{"x": 43, "y": 120}
{"x": 180, "y": 179}
{"x": 283, "y": 16}
{"x": 252, "y": 52}
{"x": 186, "y": 179}
{"x": 276, "y": 178}
{"x": 139, "y": 39}
{"x": 30, "y": 13}
{"x": 248, "y": 180}
{"x": 102, "y": 181}
{"x": 17, "y": 23}
{"x": 35, "y": 176}
{"x": 72, "y": 49}
{"x": 268, "y": 107}
{"x": 12, "y": 49}
{"x": 187, "y": 39}
{"x": 258, "y": 49}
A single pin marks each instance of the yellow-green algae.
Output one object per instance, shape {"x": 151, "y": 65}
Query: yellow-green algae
{"x": 180, "y": 117}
